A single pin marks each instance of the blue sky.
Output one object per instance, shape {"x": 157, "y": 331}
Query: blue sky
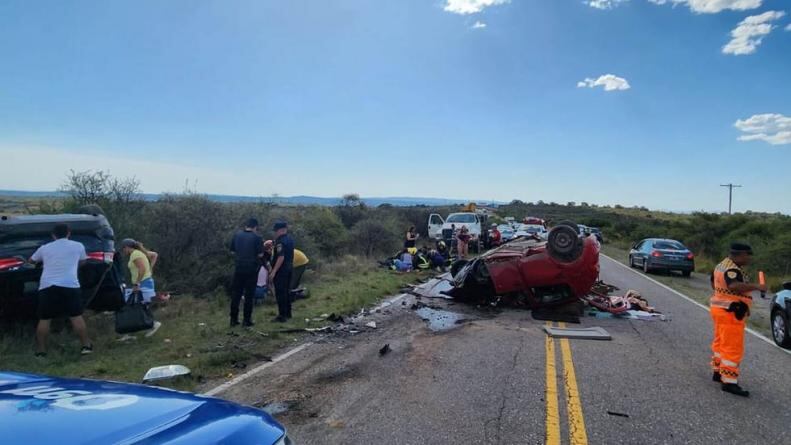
{"x": 405, "y": 98}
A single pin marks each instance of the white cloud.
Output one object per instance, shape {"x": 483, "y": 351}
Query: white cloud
{"x": 772, "y": 128}
{"x": 610, "y": 82}
{"x": 788, "y": 28}
{"x": 603, "y": 4}
{"x": 470, "y": 6}
{"x": 747, "y": 36}
{"x": 713, "y": 6}
{"x": 478, "y": 25}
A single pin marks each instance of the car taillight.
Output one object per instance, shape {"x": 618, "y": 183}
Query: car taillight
{"x": 656, "y": 254}
{"x": 690, "y": 256}
{"x": 107, "y": 257}
{"x": 9, "y": 263}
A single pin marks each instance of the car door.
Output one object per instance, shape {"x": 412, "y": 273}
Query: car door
{"x": 435, "y": 223}
{"x": 645, "y": 251}
{"x": 636, "y": 253}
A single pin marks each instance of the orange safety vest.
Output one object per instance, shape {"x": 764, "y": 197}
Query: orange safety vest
{"x": 723, "y": 297}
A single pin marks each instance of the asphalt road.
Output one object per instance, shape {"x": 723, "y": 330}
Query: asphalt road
{"x": 497, "y": 379}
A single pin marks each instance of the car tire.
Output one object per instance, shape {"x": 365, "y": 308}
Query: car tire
{"x": 631, "y": 261}
{"x": 564, "y": 243}
{"x": 780, "y": 332}
{"x": 686, "y": 273}
{"x": 457, "y": 266}
{"x": 571, "y": 224}
{"x": 646, "y": 268}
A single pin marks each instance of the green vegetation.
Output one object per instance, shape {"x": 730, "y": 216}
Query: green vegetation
{"x": 708, "y": 235}
{"x": 195, "y": 331}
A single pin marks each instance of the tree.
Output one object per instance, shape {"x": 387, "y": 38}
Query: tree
{"x": 99, "y": 187}
{"x": 372, "y": 236}
{"x": 120, "y": 199}
{"x": 351, "y": 209}
{"x": 352, "y": 200}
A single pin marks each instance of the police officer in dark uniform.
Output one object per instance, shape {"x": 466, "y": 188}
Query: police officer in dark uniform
{"x": 281, "y": 271}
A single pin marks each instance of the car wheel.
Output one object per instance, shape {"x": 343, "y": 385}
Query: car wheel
{"x": 571, "y": 224}
{"x": 780, "y": 332}
{"x": 686, "y": 273}
{"x": 457, "y": 266}
{"x": 564, "y": 243}
{"x": 646, "y": 269}
{"x": 631, "y": 261}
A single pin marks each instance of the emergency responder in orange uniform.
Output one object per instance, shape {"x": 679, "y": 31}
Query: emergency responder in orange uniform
{"x": 730, "y": 307}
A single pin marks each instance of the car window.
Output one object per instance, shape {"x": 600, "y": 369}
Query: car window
{"x": 26, "y": 245}
{"x": 669, "y": 245}
{"x": 461, "y": 219}
{"x": 435, "y": 219}
{"x": 638, "y": 246}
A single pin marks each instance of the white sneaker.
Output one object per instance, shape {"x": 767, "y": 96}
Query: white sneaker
{"x": 154, "y": 330}
{"x": 126, "y": 338}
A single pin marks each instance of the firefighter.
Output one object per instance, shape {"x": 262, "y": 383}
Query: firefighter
{"x": 730, "y": 307}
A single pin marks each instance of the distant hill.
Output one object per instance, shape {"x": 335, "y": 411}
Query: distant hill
{"x": 399, "y": 201}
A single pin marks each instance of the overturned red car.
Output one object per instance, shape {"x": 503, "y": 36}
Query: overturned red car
{"x": 531, "y": 272}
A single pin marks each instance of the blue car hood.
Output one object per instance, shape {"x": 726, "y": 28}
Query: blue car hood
{"x": 47, "y": 410}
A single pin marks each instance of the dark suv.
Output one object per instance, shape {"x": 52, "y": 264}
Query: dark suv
{"x": 20, "y": 236}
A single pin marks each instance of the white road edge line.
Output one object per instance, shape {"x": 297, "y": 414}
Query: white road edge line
{"x": 240, "y": 378}
{"x": 750, "y": 330}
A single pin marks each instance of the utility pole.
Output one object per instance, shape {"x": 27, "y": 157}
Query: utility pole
{"x": 730, "y": 195}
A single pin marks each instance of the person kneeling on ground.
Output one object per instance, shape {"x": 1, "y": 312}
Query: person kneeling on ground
{"x": 299, "y": 266}
{"x": 59, "y": 287}
{"x": 420, "y": 260}
{"x": 141, "y": 270}
{"x": 437, "y": 260}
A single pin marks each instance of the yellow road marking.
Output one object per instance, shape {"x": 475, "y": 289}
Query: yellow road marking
{"x": 551, "y": 397}
{"x": 573, "y": 403}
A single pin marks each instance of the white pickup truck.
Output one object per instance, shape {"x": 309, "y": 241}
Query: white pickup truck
{"x": 436, "y": 224}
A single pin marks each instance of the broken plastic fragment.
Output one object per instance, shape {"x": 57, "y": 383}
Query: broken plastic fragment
{"x": 165, "y": 372}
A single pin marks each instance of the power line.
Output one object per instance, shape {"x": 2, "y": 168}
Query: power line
{"x": 730, "y": 195}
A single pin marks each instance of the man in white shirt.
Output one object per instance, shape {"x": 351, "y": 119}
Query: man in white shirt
{"x": 59, "y": 288}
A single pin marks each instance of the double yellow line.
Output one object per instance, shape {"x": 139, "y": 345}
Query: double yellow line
{"x": 573, "y": 403}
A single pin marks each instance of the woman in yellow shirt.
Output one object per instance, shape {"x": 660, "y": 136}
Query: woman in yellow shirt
{"x": 141, "y": 267}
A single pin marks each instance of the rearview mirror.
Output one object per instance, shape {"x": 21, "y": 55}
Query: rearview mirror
{"x": 165, "y": 372}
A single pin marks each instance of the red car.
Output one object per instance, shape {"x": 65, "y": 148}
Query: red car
{"x": 530, "y": 271}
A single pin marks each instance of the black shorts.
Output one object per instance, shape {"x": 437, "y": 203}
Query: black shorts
{"x": 56, "y": 302}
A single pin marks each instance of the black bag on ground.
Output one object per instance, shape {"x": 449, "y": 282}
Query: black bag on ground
{"x": 134, "y": 316}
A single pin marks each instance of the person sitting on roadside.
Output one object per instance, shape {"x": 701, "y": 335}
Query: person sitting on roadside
{"x": 410, "y": 243}
{"x": 463, "y": 241}
{"x": 141, "y": 269}
{"x": 404, "y": 262}
{"x": 262, "y": 286}
{"x": 59, "y": 288}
